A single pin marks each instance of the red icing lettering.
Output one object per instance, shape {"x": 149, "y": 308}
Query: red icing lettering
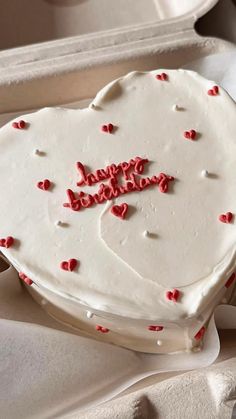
{"x": 110, "y": 171}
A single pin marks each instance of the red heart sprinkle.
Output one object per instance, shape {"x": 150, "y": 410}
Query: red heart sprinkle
{"x": 25, "y": 278}
{"x": 8, "y": 242}
{"x": 108, "y": 128}
{"x": 19, "y": 125}
{"x": 15, "y": 125}
{"x": 162, "y": 76}
{"x": 214, "y": 91}
{"x": 102, "y": 329}
{"x": 44, "y": 184}
{"x": 120, "y": 210}
{"x": 173, "y": 295}
{"x": 69, "y": 265}
{"x": 230, "y": 280}
{"x": 190, "y": 135}
{"x": 155, "y": 328}
{"x": 226, "y": 218}
{"x": 199, "y": 335}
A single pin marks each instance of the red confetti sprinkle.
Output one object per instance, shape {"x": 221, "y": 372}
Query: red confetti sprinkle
{"x": 162, "y": 76}
{"x": 155, "y": 328}
{"x": 120, "y": 210}
{"x": 102, "y": 329}
{"x": 44, "y": 184}
{"x": 107, "y": 128}
{"x": 226, "y": 218}
{"x": 190, "y": 135}
{"x": 214, "y": 91}
{"x": 25, "y": 278}
{"x": 230, "y": 280}
{"x": 7, "y": 242}
{"x": 199, "y": 335}
{"x": 173, "y": 295}
{"x": 69, "y": 265}
{"x": 19, "y": 125}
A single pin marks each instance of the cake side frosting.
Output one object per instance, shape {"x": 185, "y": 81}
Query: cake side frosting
{"x": 148, "y": 230}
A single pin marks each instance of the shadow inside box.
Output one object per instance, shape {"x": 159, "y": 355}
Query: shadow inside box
{"x": 27, "y": 22}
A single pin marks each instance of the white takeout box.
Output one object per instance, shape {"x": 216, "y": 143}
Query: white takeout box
{"x": 121, "y": 36}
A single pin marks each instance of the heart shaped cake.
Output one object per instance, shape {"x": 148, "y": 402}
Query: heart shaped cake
{"x": 120, "y": 218}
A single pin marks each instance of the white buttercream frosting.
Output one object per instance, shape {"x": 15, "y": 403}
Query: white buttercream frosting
{"x": 124, "y": 270}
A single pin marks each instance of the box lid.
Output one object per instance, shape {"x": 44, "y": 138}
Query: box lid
{"x": 71, "y": 26}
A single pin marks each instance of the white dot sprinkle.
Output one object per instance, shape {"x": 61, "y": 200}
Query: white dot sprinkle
{"x": 175, "y": 107}
{"x": 205, "y": 173}
{"x": 146, "y": 233}
{"x": 159, "y": 342}
{"x": 36, "y": 152}
{"x": 58, "y": 223}
{"x": 92, "y": 106}
{"x": 90, "y": 314}
{"x": 196, "y": 349}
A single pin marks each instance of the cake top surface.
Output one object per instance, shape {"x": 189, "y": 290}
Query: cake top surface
{"x": 140, "y": 200}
